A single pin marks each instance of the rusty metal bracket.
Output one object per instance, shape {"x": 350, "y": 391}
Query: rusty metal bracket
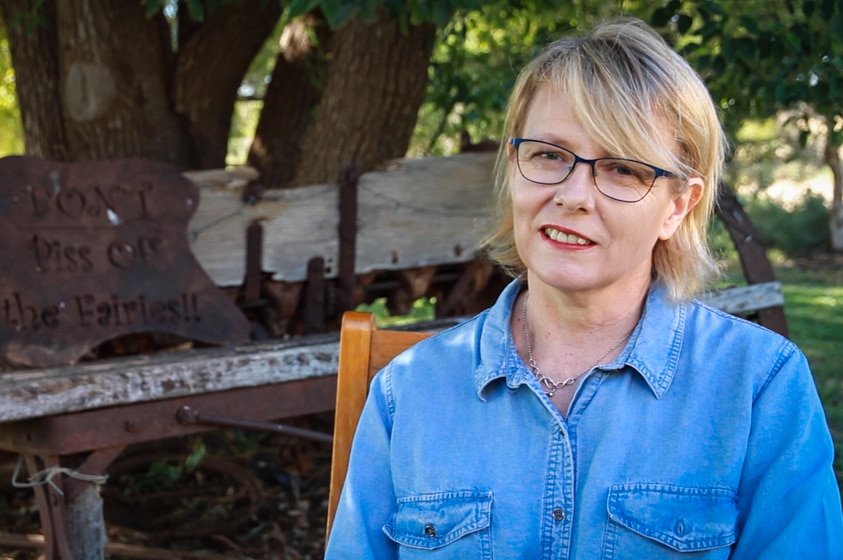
{"x": 348, "y": 236}
{"x": 752, "y": 252}
{"x": 52, "y": 508}
{"x": 254, "y": 257}
{"x": 314, "y": 299}
{"x": 187, "y": 415}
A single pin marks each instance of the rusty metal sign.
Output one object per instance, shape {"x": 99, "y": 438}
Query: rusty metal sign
{"x": 94, "y": 250}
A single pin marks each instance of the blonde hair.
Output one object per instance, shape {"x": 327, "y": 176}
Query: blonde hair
{"x": 626, "y": 86}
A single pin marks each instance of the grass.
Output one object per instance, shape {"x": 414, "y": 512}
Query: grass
{"x": 814, "y": 310}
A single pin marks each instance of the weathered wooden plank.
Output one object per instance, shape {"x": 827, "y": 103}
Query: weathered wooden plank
{"x": 745, "y": 299}
{"x": 36, "y": 393}
{"x": 415, "y": 213}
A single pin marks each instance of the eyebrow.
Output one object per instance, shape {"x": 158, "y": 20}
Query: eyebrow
{"x": 559, "y": 141}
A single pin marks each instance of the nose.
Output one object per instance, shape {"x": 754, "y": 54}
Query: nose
{"x": 577, "y": 189}
{"x": 588, "y": 165}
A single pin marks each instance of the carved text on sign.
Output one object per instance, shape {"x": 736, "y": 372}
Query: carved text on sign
{"x": 92, "y": 251}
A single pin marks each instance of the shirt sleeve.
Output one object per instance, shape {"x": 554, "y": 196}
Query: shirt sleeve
{"x": 367, "y": 499}
{"x": 789, "y": 497}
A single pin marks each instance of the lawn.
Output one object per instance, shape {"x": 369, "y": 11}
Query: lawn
{"x": 814, "y": 311}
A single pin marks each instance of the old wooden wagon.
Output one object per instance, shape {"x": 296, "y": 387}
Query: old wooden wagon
{"x": 291, "y": 261}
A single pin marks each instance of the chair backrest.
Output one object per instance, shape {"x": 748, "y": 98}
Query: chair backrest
{"x": 364, "y": 350}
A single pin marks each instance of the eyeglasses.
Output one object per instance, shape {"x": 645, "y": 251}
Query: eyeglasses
{"x": 624, "y": 180}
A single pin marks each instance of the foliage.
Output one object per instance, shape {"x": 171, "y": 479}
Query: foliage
{"x": 797, "y": 231}
{"x": 720, "y": 242}
{"x": 11, "y": 141}
{"x": 474, "y": 65}
{"x": 423, "y": 310}
{"x": 766, "y": 58}
{"x": 413, "y": 11}
{"x": 813, "y": 302}
{"x": 244, "y": 121}
{"x": 163, "y": 472}
{"x": 761, "y": 57}
{"x": 476, "y": 60}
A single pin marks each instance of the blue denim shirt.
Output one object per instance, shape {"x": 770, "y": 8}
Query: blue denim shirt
{"x": 705, "y": 438}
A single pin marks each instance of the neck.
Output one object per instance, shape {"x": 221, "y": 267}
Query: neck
{"x": 561, "y": 337}
{"x": 581, "y": 316}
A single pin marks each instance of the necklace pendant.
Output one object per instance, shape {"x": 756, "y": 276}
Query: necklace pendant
{"x": 548, "y": 385}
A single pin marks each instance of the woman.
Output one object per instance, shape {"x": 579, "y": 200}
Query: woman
{"x": 596, "y": 411}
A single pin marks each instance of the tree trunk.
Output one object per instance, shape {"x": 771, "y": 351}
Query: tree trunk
{"x": 292, "y": 95}
{"x": 832, "y": 158}
{"x": 34, "y": 50}
{"x": 212, "y": 60}
{"x": 374, "y": 86}
{"x": 97, "y": 79}
{"x": 114, "y": 96}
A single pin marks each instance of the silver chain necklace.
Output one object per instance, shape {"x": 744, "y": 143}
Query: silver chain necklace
{"x": 548, "y": 384}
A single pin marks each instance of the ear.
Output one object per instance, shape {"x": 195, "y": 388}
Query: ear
{"x": 680, "y": 205}
{"x": 510, "y": 151}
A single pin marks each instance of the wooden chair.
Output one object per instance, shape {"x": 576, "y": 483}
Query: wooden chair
{"x": 364, "y": 350}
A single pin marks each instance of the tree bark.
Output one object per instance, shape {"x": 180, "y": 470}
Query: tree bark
{"x": 114, "y": 95}
{"x": 832, "y": 159}
{"x": 97, "y": 79}
{"x": 212, "y": 60}
{"x": 374, "y": 86}
{"x": 34, "y": 49}
{"x": 292, "y": 95}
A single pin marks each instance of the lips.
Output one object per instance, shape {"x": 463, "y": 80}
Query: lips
{"x": 563, "y": 237}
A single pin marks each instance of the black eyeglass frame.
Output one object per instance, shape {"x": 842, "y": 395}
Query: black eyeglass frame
{"x": 659, "y": 172}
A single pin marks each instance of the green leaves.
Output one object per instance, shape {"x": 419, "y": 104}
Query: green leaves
{"x": 29, "y": 19}
{"x": 11, "y": 141}
{"x": 761, "y": 58}
{"x": 337, "y": 12}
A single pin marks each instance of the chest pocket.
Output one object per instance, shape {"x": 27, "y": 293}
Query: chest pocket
{"x": 455, "y": 524}
{"x": 683, "y": 519}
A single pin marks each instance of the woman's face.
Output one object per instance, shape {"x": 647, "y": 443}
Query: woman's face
{"x": 573, "y": 238}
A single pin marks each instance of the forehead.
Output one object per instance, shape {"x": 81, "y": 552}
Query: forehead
{"x": 601, "y": 125}
{"x": 549, "y": 115}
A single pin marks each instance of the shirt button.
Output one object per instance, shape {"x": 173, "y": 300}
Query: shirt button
{"x": 430, "y": 530}
{"x": 558, "y": 514}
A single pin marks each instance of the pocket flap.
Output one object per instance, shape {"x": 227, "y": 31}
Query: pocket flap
{"x": 434, "y": 520}
{"x": 683, "y": 518}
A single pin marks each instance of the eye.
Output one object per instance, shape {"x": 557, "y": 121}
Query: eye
{"x": 626, "y": 169}
{"x": 548, "y": 155}
{"x": 619, "y": 168}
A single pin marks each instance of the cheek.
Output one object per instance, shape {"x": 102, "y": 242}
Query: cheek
{"x": 522, "y": 204}
{"x": 529, "y": 198}
{"x": 638, "y": 231}
{"x": 524, "y": 210}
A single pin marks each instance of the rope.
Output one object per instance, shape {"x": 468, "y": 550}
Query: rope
{"x": 46, "y": 477}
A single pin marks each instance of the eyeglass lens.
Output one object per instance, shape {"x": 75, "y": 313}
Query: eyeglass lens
{"x": 620, "y": 179}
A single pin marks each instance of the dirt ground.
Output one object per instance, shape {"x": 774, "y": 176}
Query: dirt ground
{"x": 253, "y": 495}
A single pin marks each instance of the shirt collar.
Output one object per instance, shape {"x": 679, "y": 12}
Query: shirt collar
{"x": 652, "y": 351}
